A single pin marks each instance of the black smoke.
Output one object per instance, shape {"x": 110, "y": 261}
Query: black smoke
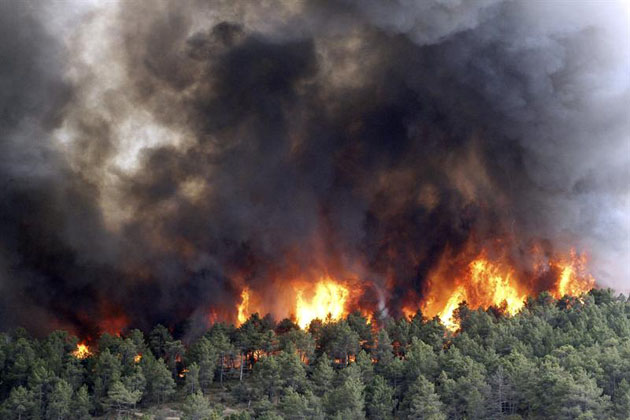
{"x": 156, "y": 159}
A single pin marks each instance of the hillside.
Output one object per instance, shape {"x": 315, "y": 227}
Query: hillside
{"x": 561, "y": 359}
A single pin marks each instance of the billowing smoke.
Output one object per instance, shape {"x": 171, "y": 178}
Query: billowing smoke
{"x": 155, "y": 158}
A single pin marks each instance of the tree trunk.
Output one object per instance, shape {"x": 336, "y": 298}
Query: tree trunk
{"x": 221, "y": 375}
{"x": 241, "y": 376}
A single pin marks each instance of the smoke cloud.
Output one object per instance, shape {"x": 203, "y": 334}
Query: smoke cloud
{"x": 157, "y": 157}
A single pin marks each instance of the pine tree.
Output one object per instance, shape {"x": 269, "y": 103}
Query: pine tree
{"x": 162, "y": 385}
{"x": 322, "y": 376}
{"x": 107, "y": 372}
{"x": 59, "y": 401}
{"x": 196, "y": 407}
{"x": 422, "y": 403}
{"x": 192, "y": 379}
{"x": 380, "y": 401}
{"x": 622, "y": 400}
{"x": 383, "y": 352}
{"x": 136, "y": 381}
{"x": 80, "y": 405}
{"x": 292, "y": 371}
{"x": 267, "y": 377}
{"x": 292, "y": 405}
{"x": 347, "y": 400}
{"x": 122, "y": 399}
{"x": 20, "y": 403}
{"x": 364, "y": 363}
{"x": 41, "y": 382}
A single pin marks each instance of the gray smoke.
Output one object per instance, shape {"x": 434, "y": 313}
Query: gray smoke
{"x": 156, "y": 157}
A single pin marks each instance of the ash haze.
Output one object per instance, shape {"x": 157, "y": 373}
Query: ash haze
{"x": 155, "y": 157}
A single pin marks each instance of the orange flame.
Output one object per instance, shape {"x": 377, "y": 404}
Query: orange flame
{"x": 486, "y": 283}
{"x": 574, "y": 278}
{"x": 243, "y": 307}
{"x": 82, "y": 351}
{"x": 137, "y": 358}
{"x": 329, "y": 300}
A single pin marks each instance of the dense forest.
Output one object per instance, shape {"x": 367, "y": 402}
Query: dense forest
{"x": 556, "y": 359}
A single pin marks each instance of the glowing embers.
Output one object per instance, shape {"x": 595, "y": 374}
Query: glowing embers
{"x": 327, "y": 301}
{"x": 82, "y": 351}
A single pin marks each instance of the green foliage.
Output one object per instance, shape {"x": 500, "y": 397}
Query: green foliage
{"x": 160, "y": 382}
{"x": 196, "y": 407}
{"x": 81, "y": 405}
{"x": 267, "y": 377}
{"x": 20, "y": 404}
{"x": 59, "y": 401}
{"x": 561, "y": 359}
{"x": 295, "y": 406}
{"x": 122, "y": 399}
{"x": 347, "y": 400}
{"x": 192, "y": 379}
{"x": 322, "y": 377}
{"x": 422, "y": 402}
{"x": 379, "y": 399}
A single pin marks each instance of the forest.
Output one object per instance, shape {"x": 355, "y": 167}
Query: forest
{"x": 556, "y": 359}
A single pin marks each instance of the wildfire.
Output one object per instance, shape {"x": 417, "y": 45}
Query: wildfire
{"x": 137, "y": 358}
{"x": 486, "y": 283}
{"x": 329, "y": 300}
{"x": 82, "y": 351}
{"x": 446, "y": 315}
{"x": 243, "y": 307}
{"x": 482, "y": 279}
{"x": 574, "y": 278}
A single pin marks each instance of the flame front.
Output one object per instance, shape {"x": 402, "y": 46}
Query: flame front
{"x": 82, "y": 351}
{"x": 484, "y": 278}
{"x": 487, "y": 282}
{"x": 329, "y": 300}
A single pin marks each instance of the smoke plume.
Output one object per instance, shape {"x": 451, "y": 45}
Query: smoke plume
{"x": 156, "y": 158}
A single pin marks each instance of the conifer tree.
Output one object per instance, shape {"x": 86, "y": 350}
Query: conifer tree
{"x": 422, "y": 403}
{"x": 59, "y": 401}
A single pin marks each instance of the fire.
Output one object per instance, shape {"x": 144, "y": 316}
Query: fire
{"x": 329, "y": 300}
{"x": 574, "y": 278}
{"x": 483, "y": 284}
{"x": 487, "y": 278}
{"x": 446, "y": 315}
{"x": 243, "y": 307}
{"x": 137, "y": 358}
{"x": 82, "y": 351}
{"x": 486, "y": 282}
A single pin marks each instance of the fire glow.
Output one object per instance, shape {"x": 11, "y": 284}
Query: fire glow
{"x": 487, "y": 283}
{"x": 82, "y": 351}
{"x": 328, "y": 302}
{"x": 482, "y": 282}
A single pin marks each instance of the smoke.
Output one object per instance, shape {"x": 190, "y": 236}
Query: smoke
{"x": 154, "y": 160}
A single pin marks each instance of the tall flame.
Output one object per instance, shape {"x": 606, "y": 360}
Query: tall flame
{"x": 486, "y": 283}
{"x": 481, "y": 279}
{"x": 243, "y": 307}
{"x": 574, "y": 278}
{"x": 329, "y": 300}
